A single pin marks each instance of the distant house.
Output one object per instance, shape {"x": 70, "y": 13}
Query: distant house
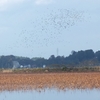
{"x": 21, "y": 66}
{"x": 44, "y": 66}
{"x": 16, "y": 64}
{"x": 27, "y": 66}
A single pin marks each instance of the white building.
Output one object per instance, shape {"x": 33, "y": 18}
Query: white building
{"x": 16, "y": 64}
{"x": 44, "y": 66}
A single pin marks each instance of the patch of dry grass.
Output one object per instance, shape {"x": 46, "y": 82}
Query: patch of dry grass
{"x": 7, "y": 71}
{"x": 49, "y": 80}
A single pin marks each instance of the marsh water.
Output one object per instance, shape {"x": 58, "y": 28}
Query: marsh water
{"x": 51, "y": 94}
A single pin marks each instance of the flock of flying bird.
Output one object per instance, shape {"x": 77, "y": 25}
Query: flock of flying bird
{"x": 48, "y": 29}
{"x": 50, "y": 26}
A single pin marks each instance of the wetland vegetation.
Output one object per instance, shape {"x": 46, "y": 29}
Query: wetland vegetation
{"x": 49, "y": 80}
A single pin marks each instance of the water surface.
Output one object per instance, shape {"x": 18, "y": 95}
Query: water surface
{"x": 51, "y": 94}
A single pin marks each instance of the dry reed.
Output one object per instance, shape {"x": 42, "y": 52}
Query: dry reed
{"x": 49, "y": 80}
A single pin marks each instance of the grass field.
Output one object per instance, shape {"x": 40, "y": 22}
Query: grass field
{"x": 50, "y": 70}
{"x": 50, "y": 80}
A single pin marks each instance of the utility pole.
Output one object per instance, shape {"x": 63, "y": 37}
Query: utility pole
{"x": 57, "y": 51}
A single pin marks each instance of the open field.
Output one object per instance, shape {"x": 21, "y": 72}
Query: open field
{"x": 50, "y": 70}
{"x": 49, "y": 80}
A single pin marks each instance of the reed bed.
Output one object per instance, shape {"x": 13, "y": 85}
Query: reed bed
{"x": 62, "y": 81}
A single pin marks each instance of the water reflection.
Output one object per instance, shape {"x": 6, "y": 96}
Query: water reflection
{"x": 51, "y": 94}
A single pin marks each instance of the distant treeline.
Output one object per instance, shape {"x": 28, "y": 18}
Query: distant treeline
{"x": 75, "y": 59}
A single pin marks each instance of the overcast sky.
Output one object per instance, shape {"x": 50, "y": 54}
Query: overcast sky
{"x": 40, "y": 28}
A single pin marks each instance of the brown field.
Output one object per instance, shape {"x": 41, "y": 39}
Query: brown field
{"x": 49, "y": 80}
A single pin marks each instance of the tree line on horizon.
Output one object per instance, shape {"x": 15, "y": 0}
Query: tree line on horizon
{"x": 75, "y": 59}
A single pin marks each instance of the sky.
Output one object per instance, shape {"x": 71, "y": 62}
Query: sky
{"x": 41, "y": 28}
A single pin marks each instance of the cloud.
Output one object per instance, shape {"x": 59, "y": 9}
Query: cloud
{"x": 43, "y": 2}
{"x": 4, "y": 4}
